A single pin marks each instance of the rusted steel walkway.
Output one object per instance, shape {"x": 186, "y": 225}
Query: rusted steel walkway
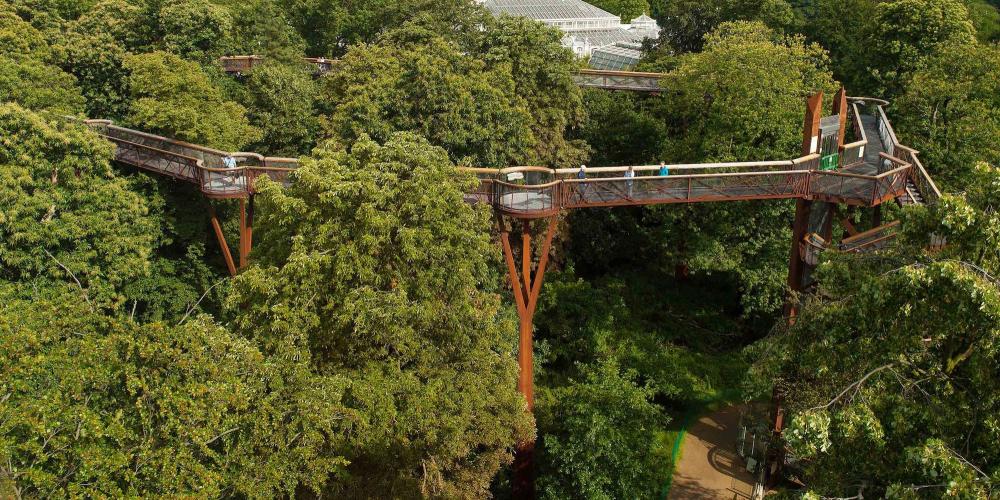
{"x": 200, "y": 165}
{"x": 590, "y": 78}
{"x": 868, "y": 175}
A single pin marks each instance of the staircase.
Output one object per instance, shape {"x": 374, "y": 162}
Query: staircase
{"x": 912, "y": 196}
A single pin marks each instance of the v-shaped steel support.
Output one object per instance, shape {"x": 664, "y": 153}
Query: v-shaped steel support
{"x": 527, "y": 286}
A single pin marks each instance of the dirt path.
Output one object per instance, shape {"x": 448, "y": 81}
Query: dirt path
{"x": 709, "y": 467}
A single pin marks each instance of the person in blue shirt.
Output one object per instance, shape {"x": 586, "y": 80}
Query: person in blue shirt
{"x": 229, "y": 161}
{"x": 582, "y": 174}
{"x": 664, "y": 171}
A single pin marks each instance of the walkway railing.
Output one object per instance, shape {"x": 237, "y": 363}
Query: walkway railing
{"x": 202, "y": 166}
{"x": 618, "y": 80}
{"x": 510, "y": 191}
{"x": 610, "y": 80}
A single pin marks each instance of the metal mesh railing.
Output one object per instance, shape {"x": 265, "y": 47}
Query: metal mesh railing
{"x": 205, "y": 167}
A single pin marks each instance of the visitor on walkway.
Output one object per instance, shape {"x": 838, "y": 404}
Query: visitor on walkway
{"x": 582, "y": 174}
{"x": 629, "y": 175}
{"x": 229, "y": 162}
{"x": 664, "y": 171}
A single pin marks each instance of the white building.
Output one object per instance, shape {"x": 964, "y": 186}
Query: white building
{"x": 591, "y": 32}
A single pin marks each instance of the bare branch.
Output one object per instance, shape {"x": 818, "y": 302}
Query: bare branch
{"x": 71, "y": 275}
{"x": 195, "y": 305}
{"x": 855, "y": 385}
{"x": 222, "y": 435}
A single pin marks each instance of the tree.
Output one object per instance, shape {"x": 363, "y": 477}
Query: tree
{"x": 542, "y": 70}
{"x": 331, "y": 26}
{"x": 66, "y": 216}
{"x": 890, "y": 372}
{"x": 626, "y": 9}
{"x": 129, "y": 24}
{"x": 728, "y": 104}
{"x": 950, "y": 111}
{"x": 39, "y": 86}
{"x": 600, "y": 447}
{"x": 98, "y": 63}
{"x": 281, "y": 99}
{"x": 18, "y": 39}
{"x": 174, "y": 97}
{"x": 847, "y": 28}
{"x": 195, "y": 29}
{"x": 417, "y": 81}
{"x": 909, "y": 30}
{"x": 374, "y": 260}
{"x": 262, "y": 27}
{"x": 98, "y": 406}
{"x": 986, "y": 18}
{"x": 891, "y": 382}
{"x": 686, "y": 22}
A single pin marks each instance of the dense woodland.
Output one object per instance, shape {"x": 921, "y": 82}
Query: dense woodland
{"x": 369, "y": 349}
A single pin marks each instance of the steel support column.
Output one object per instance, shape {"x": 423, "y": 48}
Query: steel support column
{"x": 527, "y": 286}
{"x": 246, "y": 231}
{"x": 222, "y": 241}
{"x": 796, "y": 267}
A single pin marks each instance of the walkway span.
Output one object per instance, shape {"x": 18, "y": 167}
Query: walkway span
{"x": 589, "y": 78}
{"x": 868, "y": 175}
{"x": 199, "y": 165}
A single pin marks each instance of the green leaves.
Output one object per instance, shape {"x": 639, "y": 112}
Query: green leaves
{"x": 602, "y": 446}
{"x": 96, "y": 406}
{"x": 432, "y": 89}
{"x": 373, "y": 259}
{"x": 64, "y": 215}
{"x": 174, "y": 97}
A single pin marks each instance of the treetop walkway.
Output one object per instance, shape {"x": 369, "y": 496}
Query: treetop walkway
{"x": 874, "y": 169}
{"x": 588, "y": 78}
{"x": 868, "y": 174}
{"x": 200, "y": 165}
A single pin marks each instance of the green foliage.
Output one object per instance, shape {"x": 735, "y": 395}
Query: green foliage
{"x": 175, "y": 97}
{"x": 621, "y": 128}
{"x": 686, "y": 22}
{"x": 262, "y": 27}
{"x": 39, "y": 86}
{"x": 728, "y": 104}
{"x": 280, "y": 99}
{"x": 986, "y": 18}
{"x": 97, "y": 61}
{"x": 431, "y": 88}
{"x": 96, "y": 406}
{"x": 891, "y": 380}
{"x": 542, "y": 70}
{"x": 195, "y": 29}
{"x": 908, "y": 30}
{"x": 950, "y": 111}
{"x": 331, "y": 25}
{"x": 129, "y": 24}
{"x": 627, "y": 9}
{"x": 601, "y": 446}
{"x": 18, "y": 39}
{"x": 65, "y": 215}
{"x": 846, "y": 29}
{"x": 374, "y": 260}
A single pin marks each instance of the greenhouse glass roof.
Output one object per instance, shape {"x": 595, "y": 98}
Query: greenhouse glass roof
{"x": 545, "y": 10}
{"x": 615, "y": 58}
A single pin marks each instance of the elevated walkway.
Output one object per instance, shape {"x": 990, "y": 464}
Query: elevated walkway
{"x": 589, "y": 78}
{"x": 199, "y": 165}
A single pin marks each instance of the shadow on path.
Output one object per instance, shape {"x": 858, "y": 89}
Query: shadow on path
{"x": 709, "y": 467}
